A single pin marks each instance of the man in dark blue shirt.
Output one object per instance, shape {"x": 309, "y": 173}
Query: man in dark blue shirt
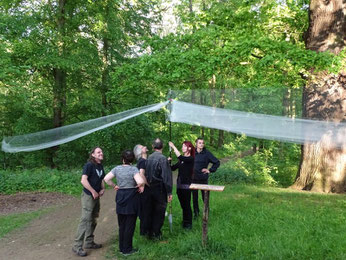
{"x": 201, "y": 172}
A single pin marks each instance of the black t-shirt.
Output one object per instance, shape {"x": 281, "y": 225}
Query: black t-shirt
{"x": 185, "y": 166}
{"x": 95, "y": 173}
{"x": 141, "y": 163}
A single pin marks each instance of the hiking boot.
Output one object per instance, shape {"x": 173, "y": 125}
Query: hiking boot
{"x": 133, "y": 251}
{"x": 79, "y": 251}
{"x": 93, "y": 245}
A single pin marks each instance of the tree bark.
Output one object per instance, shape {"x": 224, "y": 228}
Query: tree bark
{"x": 323, "y": 167}
{"x": 222, "y": 105}
{"x": 59, "y": 86}
{"x": 212, "y": 85}
{"x": 105, "y": 76}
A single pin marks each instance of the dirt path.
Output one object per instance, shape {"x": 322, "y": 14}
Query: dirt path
{"x": 51, "y": 236}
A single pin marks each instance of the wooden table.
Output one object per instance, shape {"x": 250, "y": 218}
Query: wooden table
{"x": 207, "y": 189}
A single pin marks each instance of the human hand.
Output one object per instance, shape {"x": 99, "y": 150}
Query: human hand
{"x": 170, "y": 197}
{"x": 169, "y": 159}
{"x": 205, "y": 170}
{"x": 116, "y": 187}
{"x": 95, "y": 195}
{"x": 171, "y": 144}
{"x": 141, "y": 188}
{"x": 101, "y": 192}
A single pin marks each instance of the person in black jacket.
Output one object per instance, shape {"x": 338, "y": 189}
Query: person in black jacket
{"x": 185, "y": 171}
{"x": 201, "y": 172}
{"x": 159, "y": 178}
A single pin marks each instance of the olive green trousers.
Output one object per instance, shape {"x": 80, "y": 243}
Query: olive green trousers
{"x": 87, "y": 223}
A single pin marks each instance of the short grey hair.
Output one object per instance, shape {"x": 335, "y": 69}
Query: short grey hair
{"x": 137, "y": 150}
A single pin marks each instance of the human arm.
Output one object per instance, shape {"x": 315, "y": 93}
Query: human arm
{"x": 102, "y": 191}
{"x": 176, "y": 151}
{"x": 140, "y": 182}
{"x": 215, "y": 162}
{"x": 175, "y": 166}
{"x": 166, "y": 176}
{"x": 142, "y": 173}
{"x": 86, "y": 184}
{"x": 108, "y": 180}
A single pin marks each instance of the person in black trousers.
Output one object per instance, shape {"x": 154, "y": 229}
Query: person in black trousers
{"x": 185, "y": 171}
{"x": 129, "y": 185}
{"x": 159, "y": 191}
{"x": 141, "y": 154}
{"x": 201, "y": 172}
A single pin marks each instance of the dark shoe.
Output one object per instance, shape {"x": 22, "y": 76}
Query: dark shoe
{"x": 187, "y": 226}
{"x": 133, "y": 251}
{"x": 156, "y": 237}
{"x": 93, "y": 246}
{"x": 79, "y": 251}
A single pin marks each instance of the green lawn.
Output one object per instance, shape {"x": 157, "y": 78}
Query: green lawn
{"x": 249, "y": 222}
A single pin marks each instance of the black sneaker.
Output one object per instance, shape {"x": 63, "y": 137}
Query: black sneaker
{"x": 133, "y": 251}
{"x": 93, "y": 245}
{"x": 79, "y": 251}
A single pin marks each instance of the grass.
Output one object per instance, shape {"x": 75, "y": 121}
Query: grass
{"x": 11, "y": 222}
{"x": 251, "y": 222}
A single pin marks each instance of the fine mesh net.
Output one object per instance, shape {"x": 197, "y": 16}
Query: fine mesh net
{"x": 255, "y": 113}
{"x": 259, "y": 125}
{"x": 64, "y": 134}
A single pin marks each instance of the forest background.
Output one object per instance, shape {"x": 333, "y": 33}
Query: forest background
{"x": 64, "y": 62}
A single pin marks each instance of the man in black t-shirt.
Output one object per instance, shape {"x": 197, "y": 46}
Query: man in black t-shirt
{"x": 93, "y": 189}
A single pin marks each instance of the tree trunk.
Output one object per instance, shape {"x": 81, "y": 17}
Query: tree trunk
{"x": 222, "y": 105}
{"x": 323, "y": 167}
{"x": 212, "y": 85}
{"x": 105, "y": 76}
{"x": 59, "y": 86}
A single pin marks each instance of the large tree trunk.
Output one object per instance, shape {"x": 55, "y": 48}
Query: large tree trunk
{"x": 212, "y": 85}
{"x": 323, "y": 167}
{"x": 105, "y": 76}
{"x": 59, "y": 86}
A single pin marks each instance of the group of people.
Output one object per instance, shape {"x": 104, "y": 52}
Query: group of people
{"x": 142, "y": 190}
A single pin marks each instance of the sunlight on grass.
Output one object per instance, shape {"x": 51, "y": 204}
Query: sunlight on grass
{"x": 250, "y": 222}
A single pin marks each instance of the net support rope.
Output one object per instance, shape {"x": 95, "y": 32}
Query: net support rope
{"x": 256, "y": 125}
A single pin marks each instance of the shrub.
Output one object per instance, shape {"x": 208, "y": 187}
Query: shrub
{"x": 40, "y": 180}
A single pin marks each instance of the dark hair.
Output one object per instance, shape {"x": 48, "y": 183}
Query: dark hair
{"x": 91, "y": 157}
{"x": 157, "y": 144}
{"x": 199, "y": 138}
{"x": 128, "y": 156}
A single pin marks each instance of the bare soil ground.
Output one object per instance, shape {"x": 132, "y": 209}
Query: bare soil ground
{"x": 52, "y": 235}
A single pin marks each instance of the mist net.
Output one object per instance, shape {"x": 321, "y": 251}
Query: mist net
{"x": 64, "y": 134}
{"x": 259, "y": 125}
{"x": 253, "y": 112}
